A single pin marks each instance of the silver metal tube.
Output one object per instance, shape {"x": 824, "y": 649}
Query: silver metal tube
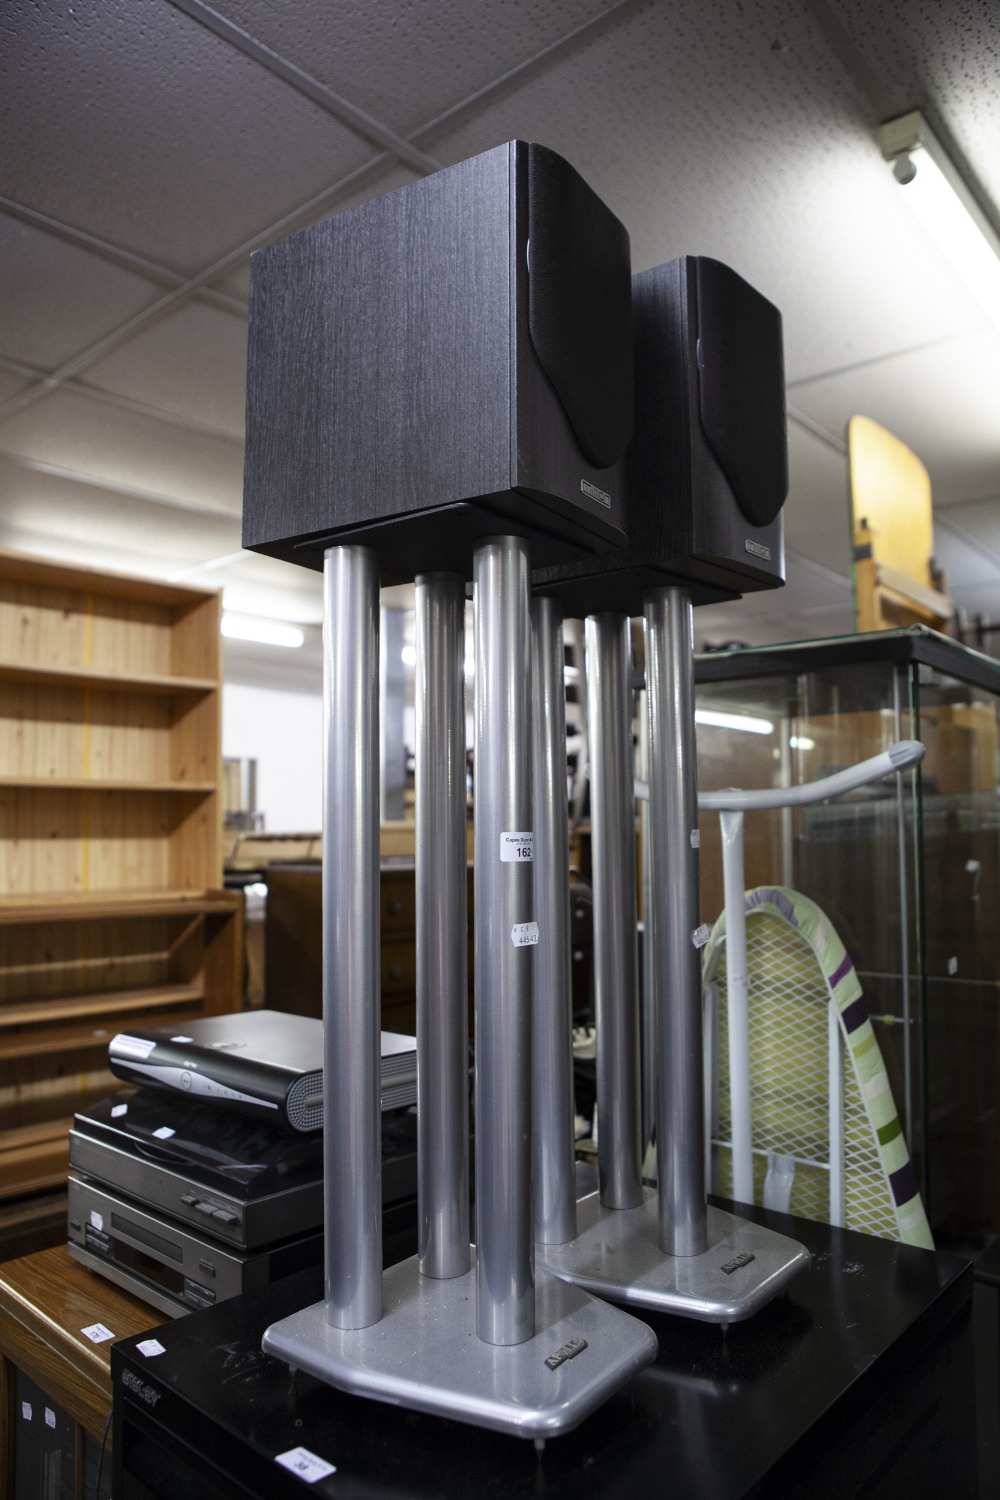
{"x": 392, "y": 703}
{"x": 442, "y": 940}
{"x": 612, "y": 821}
{"x": 647, "y": 1028}
{"x": 351, "y": 989}
{"x": 504, "y": 921}
{"x": 674, "y": 919}
{"x": 904, "y": 911}
{"x": 552, "y": 1037}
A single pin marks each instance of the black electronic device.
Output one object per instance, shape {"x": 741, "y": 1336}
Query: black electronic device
{"x": 175, "y": 1269}
{"x": 240, "y": 1178}
{"x": 260, "y": 1062}
{"x": 185, "y": 1204}
{"x": 446, "y": 363}
{"x": 707, "y": 470}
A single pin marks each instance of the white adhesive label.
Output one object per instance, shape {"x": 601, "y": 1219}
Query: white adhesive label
{"x": 305, "y": 1464}
{"x": 97, "y": 1220}
{"x": 117, "y": 1110}
{"x": 517, "y": 848}
{"x": 696, "y": 838}
{"x": 164, "y": 1133}
{"x": 150, "y": 1348}
{"x": 50, "y": 1417}
{"x": 701, "y": 935}
{"x": 26, "y": 1410}
{"x": 524, "y": 934}
{"x": 97, "y": 1333}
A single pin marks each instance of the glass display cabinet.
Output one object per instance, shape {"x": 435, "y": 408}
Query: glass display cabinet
{"x": 908, "y": 870}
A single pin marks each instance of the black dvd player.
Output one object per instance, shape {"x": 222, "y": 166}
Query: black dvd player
{"x": 184, "y": 1204}
{"x": 235, "y": 1177}
{"x": 259, "y": 1062}
{"x": 176, "y": 1269}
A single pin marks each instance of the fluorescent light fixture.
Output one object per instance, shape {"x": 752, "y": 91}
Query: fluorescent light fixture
{"x": 743, "y": 722}
{"x": 945, "y": 207}
{"x": 262, "y": 632}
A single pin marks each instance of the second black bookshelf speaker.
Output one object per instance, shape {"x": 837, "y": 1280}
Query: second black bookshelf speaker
{"x": 707, "y": 470}
{"x": 448, "y": 362}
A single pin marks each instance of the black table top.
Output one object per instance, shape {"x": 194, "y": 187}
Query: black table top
{"x": 721, "y": 1413}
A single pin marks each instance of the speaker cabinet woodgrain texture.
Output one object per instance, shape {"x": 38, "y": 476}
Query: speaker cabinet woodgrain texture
{"x": 707, "y": 469}
{"x": 448, "y": 362}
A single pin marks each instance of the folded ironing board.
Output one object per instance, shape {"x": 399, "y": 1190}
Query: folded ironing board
{"x": 827, "y": 1141}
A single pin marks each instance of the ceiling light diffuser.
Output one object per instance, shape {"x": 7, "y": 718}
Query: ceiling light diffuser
{"x": 947, "y": 210}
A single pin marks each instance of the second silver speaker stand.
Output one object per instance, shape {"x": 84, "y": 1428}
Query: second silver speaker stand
{"x": 617, "y": 1254}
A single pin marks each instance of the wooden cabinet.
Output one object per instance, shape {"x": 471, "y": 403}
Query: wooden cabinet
{"x": 110, "y": 853}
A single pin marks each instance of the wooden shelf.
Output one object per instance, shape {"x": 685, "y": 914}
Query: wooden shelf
{"x": 67, "y": 1040}
{"x": 81, "y": 906}
{"x": 100, "y": 1003}
{"x": 90, "y": 784}
{"x": 123, "y": 682}
{"x": 111, "y": 911}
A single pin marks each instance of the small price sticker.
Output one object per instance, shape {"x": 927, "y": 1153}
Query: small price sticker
{"x": 524, "y": 934}
{"x": 150, "y": 1348}
{"x": 97, "y": 1333}
{"x": 50, "y": 1417}
{"x": 26, "y": 1410}
{"x": 117, "y": 1110}
{"x": 305, "y": 1464}
{"x": 164, "y": 1133}
{"x": 517, "y": 848}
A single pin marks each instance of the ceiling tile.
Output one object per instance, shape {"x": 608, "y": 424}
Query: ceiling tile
{"x": 191, "y": 364}
{"x": 236, "y": 282}
{"x": 11, "y": 384}
{"x": 941, "y": 400}
{"x": 817, "y": 491}
{"x": 405, "y": 61}
{"x": 735, "y": 132}
{"x": 944, "y": 59}
{"x": 55, "y": 298}
{"x": 966, "y": 563}
{"x": 138, "y": 125}
{"x": 72, "y": 431}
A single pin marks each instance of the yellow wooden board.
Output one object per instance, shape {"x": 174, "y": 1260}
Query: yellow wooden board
{"x": 890, "y": 500}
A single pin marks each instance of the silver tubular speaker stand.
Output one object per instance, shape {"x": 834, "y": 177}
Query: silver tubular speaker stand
{"x": 473, "y": 1336}
{"x": 671, "y": 1251}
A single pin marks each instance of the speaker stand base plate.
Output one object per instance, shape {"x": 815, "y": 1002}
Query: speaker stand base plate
{"x": 617, "y": 1255}
{"x": 425, "y": 1353}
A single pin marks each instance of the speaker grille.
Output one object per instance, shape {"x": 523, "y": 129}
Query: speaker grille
{"x": 304, "y": 1102}
{"x": 742, "y": 389}
{"x": 580, "y": 304}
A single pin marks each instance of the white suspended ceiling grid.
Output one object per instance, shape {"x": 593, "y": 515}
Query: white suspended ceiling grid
{"x": 148, "y": 146}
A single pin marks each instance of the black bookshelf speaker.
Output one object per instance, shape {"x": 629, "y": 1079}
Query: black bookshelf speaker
{"x": 707, "y": 469}
{"x": 448, "y": 362}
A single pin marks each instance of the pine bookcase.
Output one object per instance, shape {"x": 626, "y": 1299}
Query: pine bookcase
{"x": 111, "y": 911}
